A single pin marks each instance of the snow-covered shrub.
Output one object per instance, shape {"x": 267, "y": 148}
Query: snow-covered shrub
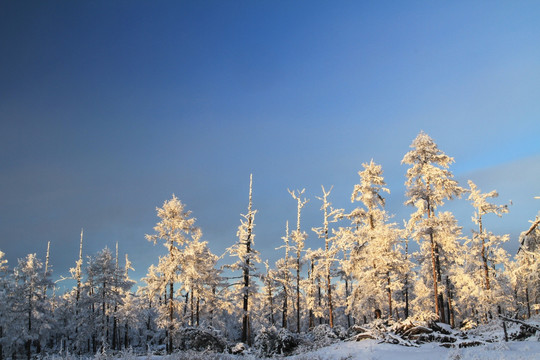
{"x": 341, "y": 332}
{"x": 239, "y": 348}
{"x": 323, "y": 331}
{"x": 324, "y": 335}
{"x": 424, "y": 316}
{"x": 200, "y": 339}
{"x": 127, "y": 354}
{"x": 271, "y": 341}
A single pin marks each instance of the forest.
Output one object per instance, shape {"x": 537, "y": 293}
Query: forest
{"x": 364, "y": 279}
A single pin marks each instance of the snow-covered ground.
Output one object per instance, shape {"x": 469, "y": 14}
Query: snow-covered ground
{"x": 372, "y": 350}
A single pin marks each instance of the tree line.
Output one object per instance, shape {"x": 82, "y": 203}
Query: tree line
{"x": 364, "y": 271}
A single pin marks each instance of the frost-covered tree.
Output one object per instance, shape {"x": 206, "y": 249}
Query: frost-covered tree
{"x": 199, "y": 279}
{"x": 527, "y": 269}
{"x": 328, "y": 256}
{"x": 4, "y": 309}
{"x": 175, "y": 227}
{"x": 76, "y": 320}
{"x": 28, "y": 304}
{"x": 105, "y": 288}
{"x": 283, "y": 277}
{"x": 312, "y": 286}
{"x": 487, "y": 257}
{"x": 151, "y": 296}
{"x": 483, "y": 239}
{"x": 247, "y": 258}
{"x": 451, "y": 255}
{"x": 299, "y": 238}
{"x": 269, "y": 291}
{"x": 349, "y": 246}
{"x": 429, "y": 183}
{"x": 380, "y": 267}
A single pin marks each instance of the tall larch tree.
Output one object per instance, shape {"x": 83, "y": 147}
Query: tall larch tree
{"x": 485, "y": 244}
{"x": 527, "y": 269}
{"x": 283, "y": 277}
{"x": 175, "y": 228}
{"x": 429, "y": 183}
{"x": 247, "y": 258}
{"x": 199, "y": 279}
{"x": 76, "y": 274}
{"x": 28, "y": 302}
{"x": 379, "y": 266}
{"x": 298, "y": 237}
{"x": 330, "y": 215}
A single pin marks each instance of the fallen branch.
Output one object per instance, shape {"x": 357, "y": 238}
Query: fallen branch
{"x": 521, "y": 322}
{"x": 390, "y": 338}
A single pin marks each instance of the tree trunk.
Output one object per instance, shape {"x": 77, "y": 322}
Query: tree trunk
{"x": 443, "y": 317}
{"x": 271, "y": 303}
{"x": 450, "y": 306}
{"x": 484, "y": 256}
{"x": 28, "y": 342}
{"x": 434, "y": 273}
{"x": 245, "y": 317}
{"x": 284, "y": 318}
{"x": 528, "y": 302}
{"x": 407, "y": 281}
{"x": 148, "y": 337}
{"x": 115, "y": 330}
{"x": 347, "y": 293}
{"x": 298, "y": 296}
{"x": 311, "y": 319}
{"x": 78, "y": 296}
{"x": 198, "y": 306}
{"x": 185, "y": 305}
{"x": 389, "y": 291}
{"x": 406, "y": 296}
{"x": 171, "y": 316}
{"x": 328, "y": 277}
{"x": 319, "y": 298}
{"x": 211, "y": 311}
{"x": 330, "y": 304}
{"x": 126, "y": 336}
{"x": 191, "y": 310}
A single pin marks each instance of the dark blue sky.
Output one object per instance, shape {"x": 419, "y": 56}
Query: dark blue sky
{"x": 107, "y": 108}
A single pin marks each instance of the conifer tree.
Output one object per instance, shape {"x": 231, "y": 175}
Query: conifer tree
{"x": 487, "y": 248}
{"x": 27, "y": 301}
{"x": 330, "y": 215}
{"x": 175, "y": 228}
{"x": 283, "y": 277}
{"x": 378, "y": 268}
{"x": 247, "y": 257}
{"x": 527, "y": 268}
{"x": 429, "y": 183}
{"x": 482, "y": 237}
{"x": 269, "y": 290}
{"x": 199, "y": 277}
{"x": 106, "y": 287}
{"x": 298, "y": 237}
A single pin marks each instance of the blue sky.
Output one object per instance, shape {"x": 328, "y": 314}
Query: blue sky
{"x": 108, "y": 108}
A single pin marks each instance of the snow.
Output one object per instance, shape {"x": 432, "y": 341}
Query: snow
{"x": 371, "y": 349}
